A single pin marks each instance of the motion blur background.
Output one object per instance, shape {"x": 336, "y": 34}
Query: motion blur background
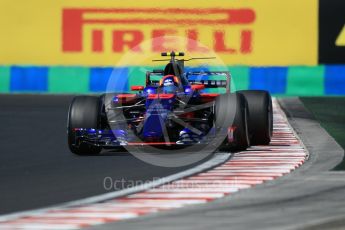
{"x": 72, "y": 46}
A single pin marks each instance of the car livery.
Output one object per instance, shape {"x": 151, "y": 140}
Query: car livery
{"x": 174, "y": 107}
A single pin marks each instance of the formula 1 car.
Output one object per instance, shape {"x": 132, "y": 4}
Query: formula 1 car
{"x": 174, "y": 108}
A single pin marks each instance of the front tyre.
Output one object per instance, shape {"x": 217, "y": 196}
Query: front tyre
{"x": 231, "y": 115}
{"x": 260, "y": 116}
{"x": 83, "y": 113}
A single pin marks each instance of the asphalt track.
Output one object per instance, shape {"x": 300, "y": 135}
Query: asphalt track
{"x": 312, "y": 197}
{"x": 284, "y": 155}
{"x": 36, "y": 167}
{"x": 309, "y": 198}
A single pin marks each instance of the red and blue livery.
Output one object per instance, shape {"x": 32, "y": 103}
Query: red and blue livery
{"x": 174, "y": 108}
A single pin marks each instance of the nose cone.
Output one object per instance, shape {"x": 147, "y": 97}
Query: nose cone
{"x": 158, "y": 106}
{"x": 153, "y": 127}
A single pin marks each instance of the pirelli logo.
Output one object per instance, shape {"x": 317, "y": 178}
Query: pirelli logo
{"x": 127, "y": 28}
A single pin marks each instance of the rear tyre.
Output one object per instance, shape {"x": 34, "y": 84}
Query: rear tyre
{"x": 83, "y": 113}
{"x": 231, "y": 114}
{"x": 260, "y": 116}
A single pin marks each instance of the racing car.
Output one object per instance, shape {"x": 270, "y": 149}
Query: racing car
{"x": 176, "y": 107}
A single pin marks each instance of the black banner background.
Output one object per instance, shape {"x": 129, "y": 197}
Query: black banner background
{"x": 331, "y": 22}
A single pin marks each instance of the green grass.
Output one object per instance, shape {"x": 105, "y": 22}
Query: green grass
{"x": 330, "y": 112}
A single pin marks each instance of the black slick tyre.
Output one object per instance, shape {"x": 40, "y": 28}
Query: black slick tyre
{"x": 83, "y": 113}
{"x": 231, "y": 114}
{"x": 260, "y": 116}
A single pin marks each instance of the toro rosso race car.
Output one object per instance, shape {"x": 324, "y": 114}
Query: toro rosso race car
{"x": 174, "y": 108}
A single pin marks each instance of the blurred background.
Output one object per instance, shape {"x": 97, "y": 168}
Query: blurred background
{"x": 291, "y": 48}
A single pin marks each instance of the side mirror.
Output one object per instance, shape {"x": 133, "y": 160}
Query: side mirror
{"x": 137, "y": 88}
{"x": 198, "y": 87}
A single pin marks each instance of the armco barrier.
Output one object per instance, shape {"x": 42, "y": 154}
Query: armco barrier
{"x": 294, "y": 80}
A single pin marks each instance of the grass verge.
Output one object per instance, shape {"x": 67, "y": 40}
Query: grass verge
{"x": 330, "y": 112}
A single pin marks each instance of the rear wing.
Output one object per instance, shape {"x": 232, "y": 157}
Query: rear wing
{"x": 214, "y": 81}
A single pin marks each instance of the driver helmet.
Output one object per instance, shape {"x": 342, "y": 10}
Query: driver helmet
{"x": 168, "y": 84}
{"x": 168, "y": 81}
